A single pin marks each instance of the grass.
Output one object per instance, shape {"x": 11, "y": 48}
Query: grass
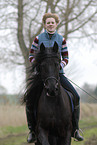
{"x": 13, "y": 140}
{"x": 89, "y": 127}
{"x": 88, "y": 110}
{"x": 5, "y": 131}
{"x": 17, "y": 135}
{"x": 12, "y": 115}
{"x": 13, "y": 127}
{"x": 88, "y": 135}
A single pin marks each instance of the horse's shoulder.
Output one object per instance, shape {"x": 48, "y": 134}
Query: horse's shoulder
{"x": 63, "y": 91}
{"x": 67, "y": 95}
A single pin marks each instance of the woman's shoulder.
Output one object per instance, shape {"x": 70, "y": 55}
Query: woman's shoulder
{"x": 41, "y": 34}
{"x": 60, "y": 37}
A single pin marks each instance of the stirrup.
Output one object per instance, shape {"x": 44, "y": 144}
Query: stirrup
{"x": 31, "y": 138}
{"x": 80, "y": 132}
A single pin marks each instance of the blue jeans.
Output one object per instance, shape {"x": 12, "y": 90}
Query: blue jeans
{"x": 69, "y": 87}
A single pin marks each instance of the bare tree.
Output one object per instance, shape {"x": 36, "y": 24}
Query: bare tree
{"x": 22, "y": 21}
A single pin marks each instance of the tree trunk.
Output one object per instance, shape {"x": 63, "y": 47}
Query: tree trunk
{"x": 24, "y": 50}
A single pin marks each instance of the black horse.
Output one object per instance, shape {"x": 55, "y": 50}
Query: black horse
{"x": 54, "y": 113}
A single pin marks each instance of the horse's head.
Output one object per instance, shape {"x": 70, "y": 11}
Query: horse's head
{"x": 49, "y": 68}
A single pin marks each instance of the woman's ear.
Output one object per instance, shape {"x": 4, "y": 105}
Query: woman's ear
{"x": 44, "y": 25}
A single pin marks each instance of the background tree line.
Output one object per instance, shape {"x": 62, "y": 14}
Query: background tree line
{"x": 14, "y": 99}
{"x": 91, "y": 97}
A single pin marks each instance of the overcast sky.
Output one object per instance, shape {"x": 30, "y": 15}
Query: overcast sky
{"x": 85, "y": 56}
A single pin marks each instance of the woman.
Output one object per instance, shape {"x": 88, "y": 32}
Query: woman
{"x": 50, "y": 22}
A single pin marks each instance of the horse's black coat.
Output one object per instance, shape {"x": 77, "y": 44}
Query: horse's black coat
{"x": 54, "y": 115}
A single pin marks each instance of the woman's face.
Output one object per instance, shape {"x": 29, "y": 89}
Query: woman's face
{"x": 50, "y": 25}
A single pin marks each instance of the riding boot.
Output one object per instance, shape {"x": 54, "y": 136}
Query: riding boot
{"x": 76, "y": 115}
{"x": 31, "y": 125}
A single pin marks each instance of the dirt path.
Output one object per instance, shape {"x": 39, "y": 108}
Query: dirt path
{"x": 20, "y": 139}
{"x": 14, "y": 138}
{"x": 92, "y": 141}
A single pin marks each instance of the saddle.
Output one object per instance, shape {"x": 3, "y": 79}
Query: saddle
{"x": 71, "y": 98}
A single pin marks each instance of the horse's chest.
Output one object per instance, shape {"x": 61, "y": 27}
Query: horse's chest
{"x": 53, "y": 122}
{"x": 52, "y": 116}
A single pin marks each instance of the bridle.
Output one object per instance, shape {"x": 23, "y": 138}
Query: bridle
{"x": 48, "y": 78}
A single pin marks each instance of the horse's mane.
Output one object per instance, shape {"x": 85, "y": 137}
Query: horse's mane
{"x": 33, "y": 84}
{"x": 34, "y": 81}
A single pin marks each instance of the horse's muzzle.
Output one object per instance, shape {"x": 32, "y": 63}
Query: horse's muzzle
{"x": 52, "y": 90}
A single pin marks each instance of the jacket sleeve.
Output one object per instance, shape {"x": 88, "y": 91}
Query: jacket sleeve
{"x": 64, "y": 52}
{"x": 34, "y": 48}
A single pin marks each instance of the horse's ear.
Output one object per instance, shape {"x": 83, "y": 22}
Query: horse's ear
{"x": 55, "y": 47}
{"x": 42, "y": 47}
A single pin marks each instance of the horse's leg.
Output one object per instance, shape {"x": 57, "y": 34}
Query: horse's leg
{"x": 53, "y": 140}
{"x": 64, "y": 141}
{"x": 43, "y": 136}
{"x": 38, "y": 142}
{"x": 68, "y": 138}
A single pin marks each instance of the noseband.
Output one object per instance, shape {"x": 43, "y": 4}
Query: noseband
{"x": 48, "y": 78}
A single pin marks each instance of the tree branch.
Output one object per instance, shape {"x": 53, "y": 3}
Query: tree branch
{"x": 20, "y": 30}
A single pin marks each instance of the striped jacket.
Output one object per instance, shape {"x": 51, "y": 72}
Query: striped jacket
{"x": 49, "y": 42}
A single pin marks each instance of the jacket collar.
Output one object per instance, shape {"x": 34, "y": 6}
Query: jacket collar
{"x": 48, "y": 34}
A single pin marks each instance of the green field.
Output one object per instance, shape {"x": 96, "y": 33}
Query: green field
{"x": 14, "y": 131}
{"x": 17, "y": 135}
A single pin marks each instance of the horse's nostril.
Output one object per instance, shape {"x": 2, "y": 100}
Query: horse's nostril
{"x": 46, "y": 87}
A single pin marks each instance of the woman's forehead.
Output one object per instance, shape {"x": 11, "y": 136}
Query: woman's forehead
{"x": 50, "y": 20}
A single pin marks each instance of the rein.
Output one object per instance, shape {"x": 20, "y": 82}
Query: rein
{"x": 83, "y": 90}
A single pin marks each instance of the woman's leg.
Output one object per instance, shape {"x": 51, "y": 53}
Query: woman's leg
{"x": 31, "y": 124}
{"x": 69, "y": 87}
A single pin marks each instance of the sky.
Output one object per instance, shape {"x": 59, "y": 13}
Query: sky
{"x": 82, "y": 68}
{"x": 85, "y": 55}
